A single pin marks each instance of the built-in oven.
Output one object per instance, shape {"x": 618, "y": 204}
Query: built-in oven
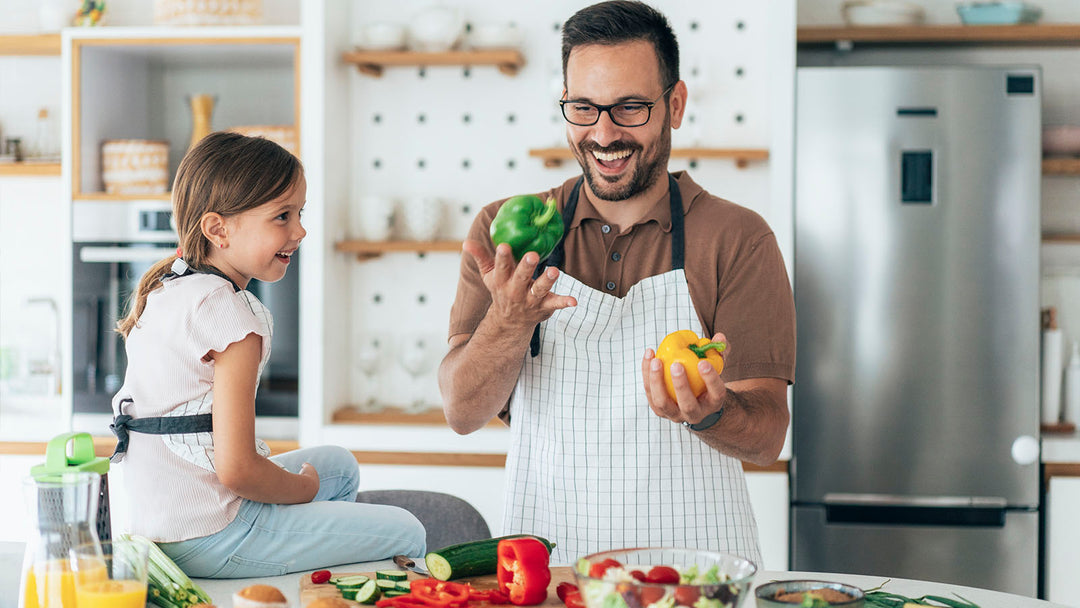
{"x": 114, "y": 244}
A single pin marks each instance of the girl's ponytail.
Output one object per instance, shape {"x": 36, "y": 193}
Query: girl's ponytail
{"x": 149, "y": 282}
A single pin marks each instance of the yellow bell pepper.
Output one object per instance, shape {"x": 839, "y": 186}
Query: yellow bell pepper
{"x": 685, "y": 347}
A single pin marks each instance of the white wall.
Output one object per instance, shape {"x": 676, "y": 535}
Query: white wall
{"x": 827, "y": 12}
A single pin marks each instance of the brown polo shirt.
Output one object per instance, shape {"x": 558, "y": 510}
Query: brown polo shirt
{"x": 733, "y": 267}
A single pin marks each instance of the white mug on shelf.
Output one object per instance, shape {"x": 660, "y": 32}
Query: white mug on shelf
{"x": 423, "y": 217}
{"x": 372, "y": 218}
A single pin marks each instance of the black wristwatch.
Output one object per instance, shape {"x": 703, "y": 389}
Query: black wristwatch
{"x": 707, "y": 421}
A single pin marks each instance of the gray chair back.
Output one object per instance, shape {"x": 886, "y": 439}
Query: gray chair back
{"x": 449, "y": 520}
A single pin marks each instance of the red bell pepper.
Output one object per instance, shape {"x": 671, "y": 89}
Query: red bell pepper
{"x": 439, "y": 594}
{"x": 522, "y": 570}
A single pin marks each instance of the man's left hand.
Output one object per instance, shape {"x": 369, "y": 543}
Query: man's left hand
{"x": 688, "y": 407}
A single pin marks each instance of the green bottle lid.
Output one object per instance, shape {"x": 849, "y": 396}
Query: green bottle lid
{"x": 82, "y": 458}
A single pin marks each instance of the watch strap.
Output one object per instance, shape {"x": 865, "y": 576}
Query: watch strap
{"x": 706, "y": 422}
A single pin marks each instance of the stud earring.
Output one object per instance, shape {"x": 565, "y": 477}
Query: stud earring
{"x": 222, "y": 245}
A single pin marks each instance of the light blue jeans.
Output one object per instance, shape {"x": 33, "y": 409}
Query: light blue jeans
{"x": 271, "y": 540}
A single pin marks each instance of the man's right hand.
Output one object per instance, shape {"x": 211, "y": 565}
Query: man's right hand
{"x": 517, "y": 301}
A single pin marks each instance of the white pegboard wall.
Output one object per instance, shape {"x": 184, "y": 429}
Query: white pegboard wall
{"x": 463, "y": 134}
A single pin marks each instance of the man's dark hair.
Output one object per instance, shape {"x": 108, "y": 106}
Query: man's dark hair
{"x": 618, "y": 21}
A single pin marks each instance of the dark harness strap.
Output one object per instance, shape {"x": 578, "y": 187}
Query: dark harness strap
{"x": 558, "y": 255}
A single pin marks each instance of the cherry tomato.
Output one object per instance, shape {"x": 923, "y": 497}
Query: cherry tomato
{"x": 686, "y": 595}
{"x": 598, "y": 569}
{"x": 650, "y": 595}
{"x": 638, "y": 575}
{"x": 320, "y": 576}
{"x": 664, "y": 575}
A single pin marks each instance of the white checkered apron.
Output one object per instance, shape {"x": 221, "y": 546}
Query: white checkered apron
{"x": 590, "y": 466}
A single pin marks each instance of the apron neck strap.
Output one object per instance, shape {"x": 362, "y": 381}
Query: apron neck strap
{"x": 558, "y": 255}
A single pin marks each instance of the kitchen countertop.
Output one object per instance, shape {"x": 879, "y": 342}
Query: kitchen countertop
{"x": 11, "y": 555}
{"x": 221, "y": 590}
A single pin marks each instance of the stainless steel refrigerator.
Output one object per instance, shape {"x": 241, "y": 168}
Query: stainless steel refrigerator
{"x": 915, "y": 407}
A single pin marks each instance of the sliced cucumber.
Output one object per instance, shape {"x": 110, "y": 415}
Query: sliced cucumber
{"x": 351, "y": 582}
{"x": 368, "y": 593}
{"x": 391, "y": 575}
{"x": 403, "y": 586}
{"x": 473, "y": 558}
{"x": 394, "y": 593}
{"x": 349, "y": 594}
{"x": 386, "y": 585}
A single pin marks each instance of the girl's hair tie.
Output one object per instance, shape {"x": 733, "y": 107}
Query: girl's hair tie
{"x": 179, "y": 252}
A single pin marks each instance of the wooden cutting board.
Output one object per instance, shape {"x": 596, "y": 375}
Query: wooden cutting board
{"x": 309, "y": 591}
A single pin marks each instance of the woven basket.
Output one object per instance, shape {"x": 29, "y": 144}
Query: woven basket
{"x": 207, "y": 12}
{"x": 282, "y": 135}
{"x": 135, "y": 166}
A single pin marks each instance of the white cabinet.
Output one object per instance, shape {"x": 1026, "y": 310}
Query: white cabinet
{"x": 1062, "y": 538}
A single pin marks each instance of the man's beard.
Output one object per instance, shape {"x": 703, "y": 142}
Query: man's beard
{"x": 646, "y": 171}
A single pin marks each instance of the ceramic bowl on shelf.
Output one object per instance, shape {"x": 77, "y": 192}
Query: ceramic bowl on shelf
{"x": 382, "y": 36}
{"x": 436, "y": 29}
{"x": 788, "y": 594}
{"x": 997, "y": 13}
{"x": 1061, "y": 140}
{"x": 494, "y": 36}
{"x": 882, "y": 12}
{"x": 721, "y": 577}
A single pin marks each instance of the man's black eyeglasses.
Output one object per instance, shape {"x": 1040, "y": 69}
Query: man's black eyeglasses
{"x": 623, "y": 114}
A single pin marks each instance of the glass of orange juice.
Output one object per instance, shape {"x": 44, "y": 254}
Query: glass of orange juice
{"x": 112, "y": 577}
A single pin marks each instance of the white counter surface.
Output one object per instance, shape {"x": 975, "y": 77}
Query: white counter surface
{"x": 221, "y": 590}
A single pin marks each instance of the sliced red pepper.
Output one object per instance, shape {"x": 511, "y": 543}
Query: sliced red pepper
{"x": 491, "y": 596}
{"x": 573, "y": 599}
{"x": 401, "y": 601}
{"x": 563, "y": 589}
{"x": 438, "y": 594}
{"x": 598, "y": 569}
{"x": 522, "y": 570}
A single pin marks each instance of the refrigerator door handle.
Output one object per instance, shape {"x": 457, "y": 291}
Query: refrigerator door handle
{"x": 980, "y": 511}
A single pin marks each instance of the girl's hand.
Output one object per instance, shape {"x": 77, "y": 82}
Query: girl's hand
{"x": 310, "y": 475}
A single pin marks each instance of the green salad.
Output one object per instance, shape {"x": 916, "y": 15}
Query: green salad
{"x": 623, "y": 586}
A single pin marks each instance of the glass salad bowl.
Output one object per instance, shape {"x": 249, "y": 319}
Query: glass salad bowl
{"x": 663, "y": 578}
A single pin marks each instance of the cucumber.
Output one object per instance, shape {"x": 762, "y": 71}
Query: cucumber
{"x": 395, "y": 593}
{"x": 386, "y": 585}
{"x": 351, "y": 582}
{"x": 349, "y": 594}
{"x": 402, "y": 586}
{"x": 474, "y": 558}
{"x": 391, "y": 575}
{"x": 367, "y": 593}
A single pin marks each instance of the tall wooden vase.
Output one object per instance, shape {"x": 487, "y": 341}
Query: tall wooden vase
{"x": 202, "y": 109}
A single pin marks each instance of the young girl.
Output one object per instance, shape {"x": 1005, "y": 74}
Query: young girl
{"x": 197, "y": 480}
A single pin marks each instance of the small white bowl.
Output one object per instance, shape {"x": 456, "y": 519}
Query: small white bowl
{"x": 882, "y": 12}
{"x": 436, "y": 29}
{"x": 382, "y": 36}
{"x": 494, "y": 36}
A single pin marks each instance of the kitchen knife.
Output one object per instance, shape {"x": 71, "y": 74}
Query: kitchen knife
{"x": 407, "y": 563}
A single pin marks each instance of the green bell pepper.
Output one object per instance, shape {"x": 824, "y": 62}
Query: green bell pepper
{"x": 528, "y": 224}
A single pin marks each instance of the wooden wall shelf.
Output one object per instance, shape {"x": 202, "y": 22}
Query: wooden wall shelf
{"x": 104, "y": 196}
{"x": 30, "y": 44}
{"x": 372, "y": 63}
{"x": 553, "y": 157}
{"x": 1062, "y": 238}
{"x": 1066, "y": 165}
{"x": 1057, "y": 34}
{"x": 30, "y": 169}
{"x": 366, "y": 250}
